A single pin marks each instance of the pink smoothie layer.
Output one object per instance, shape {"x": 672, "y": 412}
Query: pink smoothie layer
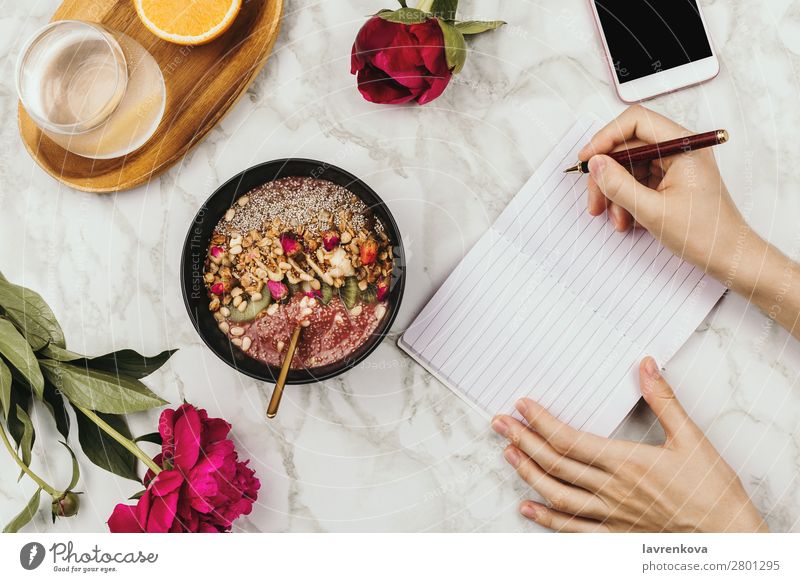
{"x": 333, "y": 335}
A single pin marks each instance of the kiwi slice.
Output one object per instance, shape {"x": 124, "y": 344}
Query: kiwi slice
{"x": 349, "y": 292}
{"x": 326, "y": 293}
{"x": 294, "y": 288}
{"x": 369, "y": 295}
{"x": 251, "y": 311}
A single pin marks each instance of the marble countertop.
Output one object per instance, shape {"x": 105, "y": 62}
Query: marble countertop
{"x": 386, "y": 447}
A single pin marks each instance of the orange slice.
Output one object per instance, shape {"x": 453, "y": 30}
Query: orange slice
{"x": 188, "y": 22}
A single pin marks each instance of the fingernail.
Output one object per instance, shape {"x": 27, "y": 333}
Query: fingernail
{"x": 500, "y": 426}
{"x": 521, "y": 405}
{"x": 528, "y": 511}
{"x": 596, "y": 164}
{"x": 512, "y": 456}
{"x": 651, "y": 368}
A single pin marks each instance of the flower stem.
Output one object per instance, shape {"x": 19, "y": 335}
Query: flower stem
{"x": 25, "y": 469}
{"x": 425, "y": 5}
{"x": 124, "y": 441}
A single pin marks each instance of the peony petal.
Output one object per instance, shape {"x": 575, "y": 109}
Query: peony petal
{"x": 166, "y": 428}
{"x": 187, "y": 437}
{"x": 438, "y": 85}
{"x": 215, "y": 429}
{"x": 377, "y": 87}
{"x": 166, "y": 482}
{"x": 377, "y": 34}
{"x": 124, "y": 519}
{"x": 430, "y": 41}
{"x": 162, "y": 513}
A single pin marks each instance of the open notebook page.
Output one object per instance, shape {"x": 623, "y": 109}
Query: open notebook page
{"x": 554, "y": 304}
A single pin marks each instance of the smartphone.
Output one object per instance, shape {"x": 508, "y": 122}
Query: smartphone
{"x": 654, "y": 46}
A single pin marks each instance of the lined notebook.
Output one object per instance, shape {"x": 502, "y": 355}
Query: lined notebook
{"x": 554, "y": 304}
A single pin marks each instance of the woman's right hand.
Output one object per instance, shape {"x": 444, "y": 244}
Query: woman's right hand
{"x": 680, "y": 199}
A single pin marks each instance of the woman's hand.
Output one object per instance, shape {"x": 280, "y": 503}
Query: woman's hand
{"x": 684, "y": 203}
{"x": 680, "y": 199}
{"x": 593, "y": 484}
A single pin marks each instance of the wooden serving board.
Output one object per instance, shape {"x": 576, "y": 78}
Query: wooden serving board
{"x": 203, "y": 82}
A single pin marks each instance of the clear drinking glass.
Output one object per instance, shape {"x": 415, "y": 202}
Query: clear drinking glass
{"x": 94, "y": 91}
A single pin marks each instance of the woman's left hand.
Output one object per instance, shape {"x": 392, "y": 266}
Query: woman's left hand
{"x": 594, "y": 484}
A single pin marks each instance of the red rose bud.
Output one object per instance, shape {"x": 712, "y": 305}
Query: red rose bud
{"x": 218, "y": 288}
{"x": 291, "y": 246}
{"x": 278, "y": 290}
{"x": 217, "y": 252}
{"x": 383, "y": 291}
{"x": 400, "y": 63}
{"x": 330, "y": 239}
{"x": 66, "y": 506}
{"x": 369, "y": 252}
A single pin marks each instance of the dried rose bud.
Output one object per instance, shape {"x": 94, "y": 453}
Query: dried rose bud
{"x": 291, "y": 246}
{"x": 383, "y": 291}
{"x": 278, "y": 290}
{"x": 66, "y": 506}
{"x": 217, "y": 252}
{"x": 313, "y": 294}
{"x": 369, "y": 252}
{"x": 330, "y": 239}
{"x": 218, "y": 288}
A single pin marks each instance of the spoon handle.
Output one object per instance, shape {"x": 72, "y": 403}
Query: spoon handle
{"x": 277, "y": 393}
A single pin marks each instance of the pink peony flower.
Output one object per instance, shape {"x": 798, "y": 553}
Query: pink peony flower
{"x": 203, "y": 487}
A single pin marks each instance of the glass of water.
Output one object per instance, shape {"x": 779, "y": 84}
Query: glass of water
{"x": 94, "y": 91}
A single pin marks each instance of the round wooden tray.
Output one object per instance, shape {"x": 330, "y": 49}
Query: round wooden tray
{"x": 203, "y": 82}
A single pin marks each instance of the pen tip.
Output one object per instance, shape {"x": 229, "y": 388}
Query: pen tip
{"x": 575, "y": 168}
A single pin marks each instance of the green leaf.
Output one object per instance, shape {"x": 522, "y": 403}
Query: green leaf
{"x": 28, "y": 436}
{"x": 130, "y": 362}
{"x": 104, "y": 451}
{"x": 404, "y": 15}
{"x": 478, "y": 26}
{"x": 403, "y": 3}
{"x": 137, "y": 495}
{"x": 20, "y": 396}
{"x": 5, "y": 388}
{"x": 127, "y": 362}
{"x": 19, "y": 354}
{"x": 76, "y": 470}
{"x": 455, "y": 46}
{"x": 60, "y": 354}
{"x": 445, "y": 9}
{"x": 24, "y": 516}
{"x": 55, "y": 404}
{"x": 151, "y": 437}
{"x": 98, "y": 390}
{"x": 31, "y": 315}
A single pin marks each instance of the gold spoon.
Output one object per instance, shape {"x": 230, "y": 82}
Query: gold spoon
{"x": 277, "y": 393}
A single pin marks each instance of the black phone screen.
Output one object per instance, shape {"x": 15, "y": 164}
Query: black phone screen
{"x": 649, "y": 36}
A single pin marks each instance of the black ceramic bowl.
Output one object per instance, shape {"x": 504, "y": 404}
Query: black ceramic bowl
{"x": 195, "y": 250}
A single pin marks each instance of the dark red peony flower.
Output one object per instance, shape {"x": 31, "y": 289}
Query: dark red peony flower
{"x": 203, "y": 487}
{"x": 399, "y": 63}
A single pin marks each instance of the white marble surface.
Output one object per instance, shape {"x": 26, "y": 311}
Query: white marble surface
{"x": 386, "y": 447}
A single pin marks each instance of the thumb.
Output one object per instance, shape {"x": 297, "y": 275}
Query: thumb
{"x": 659, "y": 395}
{"x": 619, "y": 186}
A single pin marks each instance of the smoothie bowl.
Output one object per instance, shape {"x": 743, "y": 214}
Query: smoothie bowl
{"x": 293, "y": 243}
